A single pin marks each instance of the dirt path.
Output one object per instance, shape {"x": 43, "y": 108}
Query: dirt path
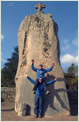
{"x": 8, "y": 114}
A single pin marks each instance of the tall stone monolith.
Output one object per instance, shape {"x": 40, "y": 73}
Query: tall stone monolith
{"x": 38, "y": 40}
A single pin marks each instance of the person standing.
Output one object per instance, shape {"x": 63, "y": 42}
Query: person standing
{"x": 38, "y": 107}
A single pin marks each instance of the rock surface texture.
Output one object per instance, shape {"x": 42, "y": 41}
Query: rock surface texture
{"x": 38, "y": 40}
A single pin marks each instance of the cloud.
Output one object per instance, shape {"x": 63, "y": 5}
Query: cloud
{"x": 2, "y": 36}
{"x": 3, "y": 60}
{"x": 66, "y": 47}
{"x": 67, "y": 58}
{"x": 65, "y": 41}
{"x": 11, "y": 4}
{"x": 75, "y": 41}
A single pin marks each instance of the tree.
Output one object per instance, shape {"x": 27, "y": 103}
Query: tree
{"x": 10, "y": 67}
{"x": 71, "y": 70}
{"x": 71, "y": 78}
{"x": 74, "y": 83}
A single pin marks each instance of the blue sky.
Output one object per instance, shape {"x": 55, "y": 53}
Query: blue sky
{"x": 64, "y": 13}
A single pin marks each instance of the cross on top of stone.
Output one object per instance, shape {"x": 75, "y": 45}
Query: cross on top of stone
{"x": 40, "y": 6}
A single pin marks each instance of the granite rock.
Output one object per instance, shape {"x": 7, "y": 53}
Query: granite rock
{"x": 38, "y": 40}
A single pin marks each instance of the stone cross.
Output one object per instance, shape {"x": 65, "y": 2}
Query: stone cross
{"x": 39, "y": 6}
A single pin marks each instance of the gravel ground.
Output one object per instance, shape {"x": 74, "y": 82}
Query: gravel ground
{"x": 8, "y": 114}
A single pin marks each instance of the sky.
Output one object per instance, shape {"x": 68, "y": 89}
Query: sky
{"x": 64, "y": 13}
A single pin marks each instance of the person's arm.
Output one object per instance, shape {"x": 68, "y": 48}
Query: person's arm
{"x": 32, "y": 66}
{"x": 49, "y": 69}
{"x": 32, "y": 81}
{"x": 48, "y": 83}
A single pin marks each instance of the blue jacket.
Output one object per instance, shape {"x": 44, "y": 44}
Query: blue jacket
{"x": 40, "y": 88}
{"x": 40, "y": 72}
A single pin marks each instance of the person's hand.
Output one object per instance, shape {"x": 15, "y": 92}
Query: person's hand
{"x": 25, "y": 74}
{"x": 53, "y": 64}
{"x": 32, "y": 61}
{"x": 56, "y": 79}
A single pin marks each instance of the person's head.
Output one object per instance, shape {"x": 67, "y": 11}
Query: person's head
{"x": 40, "y": 80}
{"x": 40, "y": 66}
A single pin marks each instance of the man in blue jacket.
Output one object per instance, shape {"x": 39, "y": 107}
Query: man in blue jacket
{"x": 39, "y": 95}
{"x": 40, "y": 73}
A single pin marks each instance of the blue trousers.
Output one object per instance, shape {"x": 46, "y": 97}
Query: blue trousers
{"x": 38, "y": 104}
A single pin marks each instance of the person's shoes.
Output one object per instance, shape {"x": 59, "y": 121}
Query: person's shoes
{"x": 40, "y": 116}
{"x": 47, "y": 92}
{"x": 36, "y": 115}
{"x": 34, "y": 92}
